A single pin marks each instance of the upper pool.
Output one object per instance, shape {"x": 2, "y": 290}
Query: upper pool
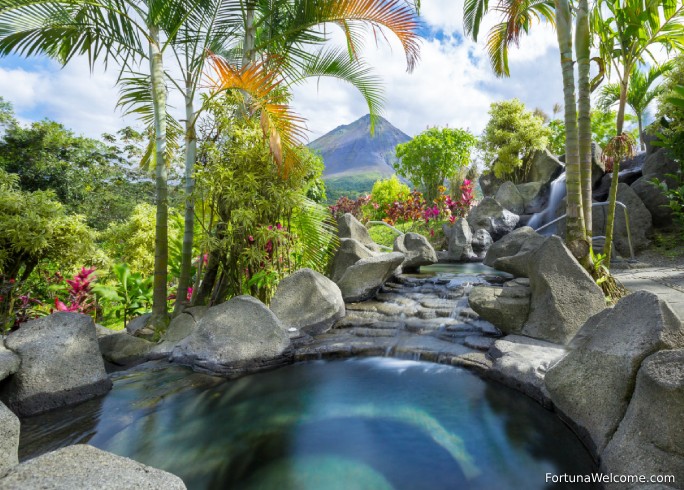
{"x": 373, "y": 423}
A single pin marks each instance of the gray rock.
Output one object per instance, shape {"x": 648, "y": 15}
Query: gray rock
{"x": 308, "y": 301}
{"x": 655, "y": 201}
{"x": 238, "y": 336}
{"x": 650, "y": 438}
{"x": 522, "y": 363}
{"x": 535, "y": 195}
{"x": 489, "y": 184}
{"x": 9, "y": 440}
{"x": 179, "y": 328}
{"x": 362, "y": 280}
{"x": 650, "y": 138}
{"x": 506, "y": 308}
{"x": 350, "y": 227}
{"x": 9, "y": 361}
{"x": 104, "y": 331}
{"x": 509, "y": 197}
{"x": 83, "y": 467}
{"x": 481, "y": 243}
{"x": 417, "y": 251}
{"x": 459, "y": 241}
{"x": 592, "y": 385}
{"x": 544, "y": 168}
{"x": 598, "y": 168}
{"x": 658, "y": 165}
{"x": 491, "y": 216}
{"x": 124, "y": 349}
{"x": 349, "y": 253}
{"x": 564, "y": 295}
{"x": 640, "y": 223}
{"x": 60, "y": 364}
{"x": 511, "y": 253}
{"x": 138, "y": 323}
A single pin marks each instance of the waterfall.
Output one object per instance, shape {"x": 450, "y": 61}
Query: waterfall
{"x": 556, "y": 195}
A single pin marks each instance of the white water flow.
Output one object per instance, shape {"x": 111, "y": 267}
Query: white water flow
{"x": 556, "y": 195}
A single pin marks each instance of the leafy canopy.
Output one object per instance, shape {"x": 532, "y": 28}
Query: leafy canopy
{"x": 510, "y": 138}
{"x": 434, "y": 156}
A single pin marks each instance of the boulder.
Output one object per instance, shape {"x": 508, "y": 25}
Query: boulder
{"x": 658, "y": 165}
{"x": 85, "y": 467}
{"x": 362, "y": 280}
{"x": 535, "y": 195}
{"x": 9, "y": 361}
{"x": 103, "y": 331}
{"x": 349, "y": 253}
{"x": 511, "y": 253}
{"x": 564, "y": 295}
{"x": 592, "y": 385}
{"x": 489, "y": 183}
{"x": 481, "y": 243}
{"x": 602, "y": 191}
{"x": 491, "y": 216}
{"x": 350, "y": 227}
{"x": 9, "y": 440}
{"x": 124, "y": 349}
{"x": 544, "y": 168}
{"x": 60, "y": 364}
{"x": 459, "y": 241}
{"x": 655, "y": 201}
{"x": 238, "y": 336}
{"x": 308, "y": 301}
{"x": 179, "y": 328}
{"x": 417, "y": 251}
{"x": 522, "y": 363}
{"x": 506, "y": 308}
{"x": 650, "y": 438}
{"x": 509, "y": 197}
{"x": 651, "y": 137}
{"x": 640, "y": 223}
{"x": 598, "y": 167}
{"x": 137, "y": 324}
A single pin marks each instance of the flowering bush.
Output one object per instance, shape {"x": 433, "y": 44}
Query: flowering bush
{"x": 354, "y": 206}
{"x": 79, "y": 289}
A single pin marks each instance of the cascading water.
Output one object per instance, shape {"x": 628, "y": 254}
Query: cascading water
{"x": 548, "y": 214}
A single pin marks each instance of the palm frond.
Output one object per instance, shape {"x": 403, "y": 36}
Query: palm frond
{"x": 473, "y": 13}
{"x": 318, "y": 233}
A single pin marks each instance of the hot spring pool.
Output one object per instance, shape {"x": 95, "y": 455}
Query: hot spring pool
{"x": 373, "y": 423}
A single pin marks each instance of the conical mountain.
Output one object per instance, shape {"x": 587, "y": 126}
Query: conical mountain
{"x": 350, "y": 149}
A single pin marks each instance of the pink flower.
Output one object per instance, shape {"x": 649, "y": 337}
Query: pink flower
{"x": 279, "y": 226}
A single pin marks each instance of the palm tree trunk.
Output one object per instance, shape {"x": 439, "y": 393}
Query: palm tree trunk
{"x": 582, "y": 42}
{"x": 249, "y": 53}
{"x": 159, "y": 318}
{"x": 642, "y": 144}
{"x": 575, "y": 233}
{"x": 189, "y": 225}
{"x": 612, "y": 197}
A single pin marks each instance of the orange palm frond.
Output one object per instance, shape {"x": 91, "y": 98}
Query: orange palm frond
{"x": 282, "y": 128}
{"x": 395, "y": 15}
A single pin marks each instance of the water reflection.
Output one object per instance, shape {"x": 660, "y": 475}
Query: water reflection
{"x": 363, "y": 423}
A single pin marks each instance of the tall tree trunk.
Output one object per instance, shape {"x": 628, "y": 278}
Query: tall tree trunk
{"x": 612, "y": 197}
{"x": 159, "y": 318}
{"x": 248, "y": 54}
{"x": 642, "y": 144}
{"x": 582, "y": 47}
{"x": 575, "y": 234}
{"x": 189, "y": 225}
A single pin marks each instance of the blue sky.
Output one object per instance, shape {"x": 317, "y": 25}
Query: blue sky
{"x": 452, "y": 85}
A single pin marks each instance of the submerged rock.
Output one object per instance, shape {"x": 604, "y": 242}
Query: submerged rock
{"x": 417, "y": 251}
{"x": 362, "y": 280}
{"x": 9, "y": 440}
{"x": 592, "y": 385}
{"x": 349, "y": 227}
{"x": 85, "y": 467}
{"x": 60, "y": 364}
{"x": 491, "y": 216}
{"x": 564, "y": 295}
{"x": 650, "y": 438}
{"x": 308, "y": 301}
{"x": 349, "y": 253}
{"x": 238, "y": 336}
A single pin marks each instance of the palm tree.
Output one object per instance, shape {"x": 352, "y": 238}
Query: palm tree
{"x": 125, "y": 32}
{"x": 517, "y": 17}
{"x": 639, "y": 94}
{"x": 627, "y": 31}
